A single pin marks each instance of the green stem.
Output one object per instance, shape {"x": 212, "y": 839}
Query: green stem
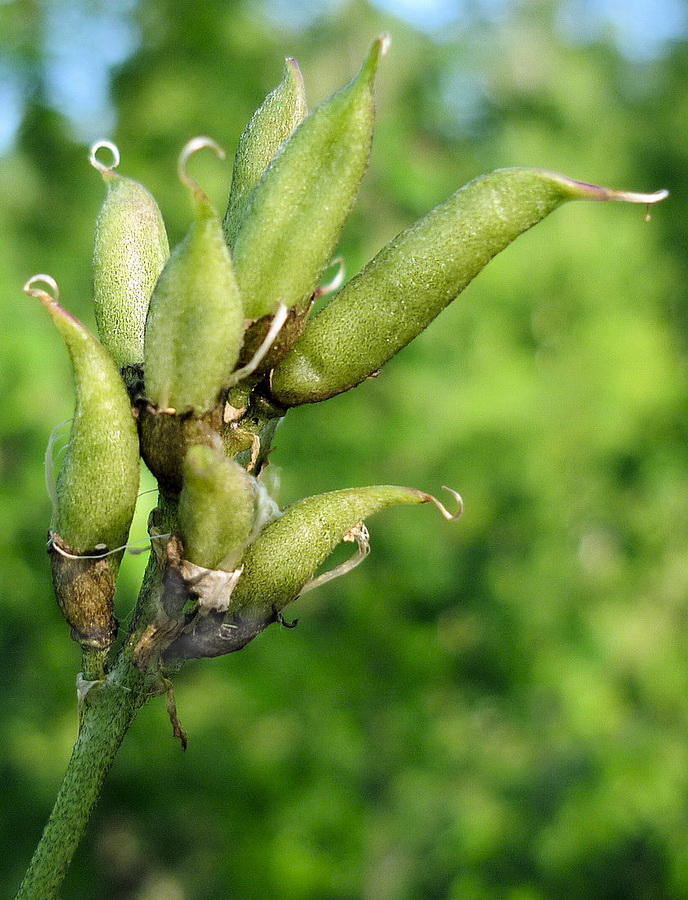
{"x": 109, "y": 709}
{"x": 93, "y": 664}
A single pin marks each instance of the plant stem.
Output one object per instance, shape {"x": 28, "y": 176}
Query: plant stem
{"x": 93, "y": 664}
{"x": 109, "y": 709}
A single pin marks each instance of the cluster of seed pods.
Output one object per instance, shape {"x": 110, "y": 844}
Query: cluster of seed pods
{"x": 200, "y": 353}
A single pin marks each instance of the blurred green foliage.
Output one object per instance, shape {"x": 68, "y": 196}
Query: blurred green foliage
{"x": 491, "y": 709}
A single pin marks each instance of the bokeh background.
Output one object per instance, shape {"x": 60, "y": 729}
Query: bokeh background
{"x": 495, "y": 708}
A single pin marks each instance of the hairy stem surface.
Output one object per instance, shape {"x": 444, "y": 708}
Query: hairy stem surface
{"x": 109, "y": 708}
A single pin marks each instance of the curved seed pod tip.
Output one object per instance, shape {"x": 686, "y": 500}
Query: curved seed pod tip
{"x": 271, "y": 124}
{"x": 195, "y": 321}
{"x": 130, "y": 250}
{"x": 300, "y": 205}
{"x": 421, "y": 271}
{"x": 98, "y": 481}
{"x": 281, "y": 561}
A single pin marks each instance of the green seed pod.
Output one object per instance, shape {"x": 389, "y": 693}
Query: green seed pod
{"x": 195, "y": 320}
{"x": 97, "y": 485}
{"x": 216, "y": 508}
{"x": 421, "y": 271}
{"x": 299, "y": 207}
{"x": 287, "y": 552}
{"x": 279, "y": 563}
{"x": 129, "y": 253}
{"x": 271, "y": 124}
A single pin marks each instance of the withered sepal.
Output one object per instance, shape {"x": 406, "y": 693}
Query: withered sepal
{"x": 176, "y": 636}
{"x": 218, "y": 633}
{"x": 288, "y": 334}
{"x": 166, "y": 437}
{"x": 84, "y": 586}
